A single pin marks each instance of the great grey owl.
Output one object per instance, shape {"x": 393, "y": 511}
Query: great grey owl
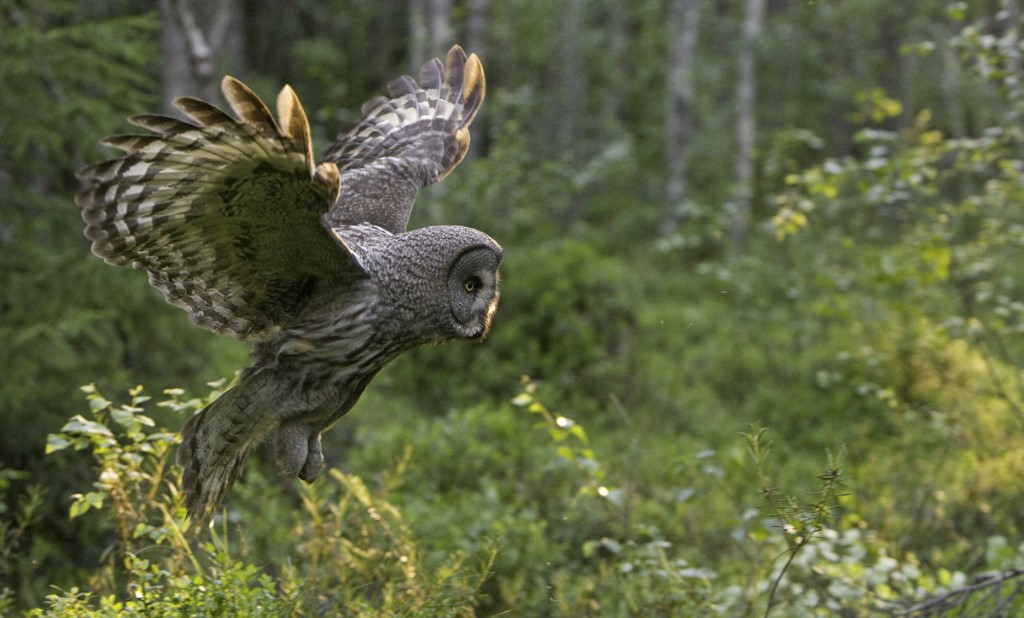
{"x": 236, "y": 224}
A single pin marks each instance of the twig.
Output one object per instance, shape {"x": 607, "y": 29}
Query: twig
{"x": 983, "y": 581}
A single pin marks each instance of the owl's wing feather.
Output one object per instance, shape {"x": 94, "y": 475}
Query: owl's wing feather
{"x": 405, "y": 142}
{"x": 225, "y": 214}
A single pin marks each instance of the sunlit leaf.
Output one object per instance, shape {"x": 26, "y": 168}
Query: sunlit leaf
{"x": 98, "y": 403}
{"x": 56, "y": 442}
{"x": 522, "y": 399}
{"x": 79, "y": 424}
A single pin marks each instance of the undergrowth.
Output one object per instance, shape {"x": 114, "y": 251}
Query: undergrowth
{"x": 344, "y": 545}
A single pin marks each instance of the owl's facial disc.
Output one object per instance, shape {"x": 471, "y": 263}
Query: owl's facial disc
{"x": 473, "y": 291}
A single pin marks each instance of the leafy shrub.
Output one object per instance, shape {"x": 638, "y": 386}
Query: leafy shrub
{"x": 350, "y": 550}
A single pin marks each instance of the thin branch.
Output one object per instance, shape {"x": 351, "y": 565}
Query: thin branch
{"x": 778, "y": 580}
{"x": 992, "y": 582}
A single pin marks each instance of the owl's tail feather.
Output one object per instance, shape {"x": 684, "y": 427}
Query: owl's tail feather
{"x": 216, "y": 441}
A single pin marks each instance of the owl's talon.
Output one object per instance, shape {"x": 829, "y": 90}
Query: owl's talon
{"x": 314, "y": 460}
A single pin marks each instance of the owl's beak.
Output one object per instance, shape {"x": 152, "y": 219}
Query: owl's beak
{"x": 481, "y": 334}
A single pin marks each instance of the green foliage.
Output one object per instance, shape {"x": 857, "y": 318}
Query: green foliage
{"x": 76, "y": 74}
{"x": 76, "y": 77}
{"x": 418, "y": 540}
{"x": 134, "y": 480}
{"x": 16, "y": 522}
{"x": 228, "y": 589}
{"x": 570, "y": 439}
{"x": 358, "y": 545}
{"x": 72, "y": 72}
{"x": 344, "y": 538}
{"x": 65, "y": 73}
{"x": 849, "y": 572}
{"x": 920, "y": 232}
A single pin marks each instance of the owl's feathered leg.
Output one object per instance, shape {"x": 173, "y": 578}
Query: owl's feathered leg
{"x": 299, "y": 452}
{"x": 216, "y": 442}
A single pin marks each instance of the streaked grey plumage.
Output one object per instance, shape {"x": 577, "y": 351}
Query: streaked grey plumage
{"x": 236, "y": 224}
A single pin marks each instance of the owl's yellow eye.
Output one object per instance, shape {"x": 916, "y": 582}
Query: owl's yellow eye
{"x": 471, "y": 284}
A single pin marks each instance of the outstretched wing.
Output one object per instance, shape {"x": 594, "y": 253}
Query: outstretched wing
{"x": 406, "y": 142}
{"x": 225, "y": 214}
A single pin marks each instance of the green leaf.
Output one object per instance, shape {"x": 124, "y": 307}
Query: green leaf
{"x": 77, "y": 508}
{"x": 78, "y": 424}
{"x": 95, "y": 499}
{"x": 56, "y": 442}
{"x": 82, "y": 503}
{"x": 163, "y": 436}
{"x": 558, "y": 435}
{"x": 522, "y": 399}
{"x": 98, "y": 403}
{"x": 123, "y": 417}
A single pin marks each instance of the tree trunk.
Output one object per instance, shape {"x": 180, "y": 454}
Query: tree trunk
{"x": 418, "y": 32}
{"x": 746, "y": 123}
{"x": 683, "y": 28}
{"x": 199, "y": 43}
{"x": 442, "y": 35}
{"x": 476, "y": 27}
{"x": 1013, "y": 60}
{"x": 476, "y": 43}
{"x": 571, "y": 91}
{"x": 430, "y": 28}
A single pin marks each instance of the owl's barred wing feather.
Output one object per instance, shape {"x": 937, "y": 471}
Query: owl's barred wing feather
{"x": 405, "y": 142}
{"x": 225, "y": 214}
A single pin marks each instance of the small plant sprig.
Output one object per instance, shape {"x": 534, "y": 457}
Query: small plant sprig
{"x": 571, "y": 440}
{"x": 15, "y": 524}
{"x": 800, "y": 524}
{"x": 135, "y": 479}
{"x": 353, "y": 541}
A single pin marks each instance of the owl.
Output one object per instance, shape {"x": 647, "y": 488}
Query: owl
{"x": 235, "y": 222}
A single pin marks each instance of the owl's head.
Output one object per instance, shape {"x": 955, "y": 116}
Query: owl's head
{"x": 443, "y": 280}
{"x": 473, "y": 289}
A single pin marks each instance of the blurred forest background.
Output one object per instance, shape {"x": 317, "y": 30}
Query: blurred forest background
{"x": 763, "y": 272}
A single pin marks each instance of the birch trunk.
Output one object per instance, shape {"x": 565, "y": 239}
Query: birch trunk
{"x": 571, "y": 89}
{"x": 746, "y": 125}
{"x": 418, "y": 32}
{"x": 199, "y": 42}
{"x": 476, "y": 43}
{"x": 430, "y": 28}
{"x": 683, "y": 28}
